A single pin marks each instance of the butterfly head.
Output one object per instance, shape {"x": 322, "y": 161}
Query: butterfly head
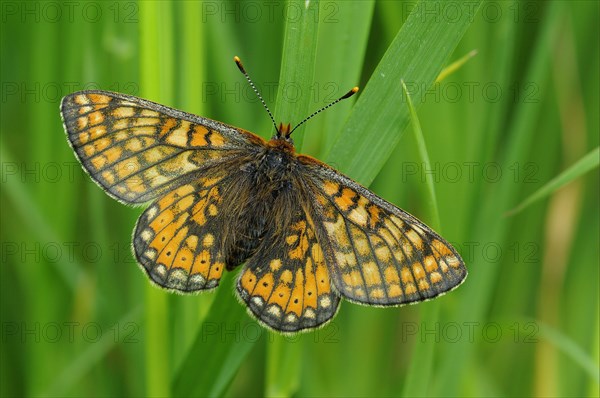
{"x": 283, "y": 132}
{"x": 281, "y": 140}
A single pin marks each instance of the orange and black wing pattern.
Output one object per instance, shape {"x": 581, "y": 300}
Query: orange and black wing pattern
{"x": 222, "y": 196}
{"x": 137, "y": 150}
{"x": 178, "y": 239}
{"x": 286, "y": 285}
{"x": 376, "y": 253}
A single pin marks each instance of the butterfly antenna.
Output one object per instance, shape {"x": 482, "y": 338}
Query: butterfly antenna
{"x": 238, "y": 62}
{"x": 343, "y": 97}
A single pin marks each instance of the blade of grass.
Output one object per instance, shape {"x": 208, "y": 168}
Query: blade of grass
{"x": 372, "y": 130}
{"x": 417, "y": 56}
{"x": 585, "y": 164}
{"x": 343, "y": 37}
{"x": 476, "y": 295}
{"x": 297, "y": 65}
{"x": 188, "y": 311}
{"x": 430, "y": 198}
{"x": 70, "y": 271}
{"x": 93, "y": 354}
{"x": 571, "y": 350}
{"x": 284, "y": 361}
{"x": 297, "y": 68}
{"x": 454, "y": 66}
{"x": 593, "y": 387}
{"x": 221, "y": 344}
{"x": 421, "y": 364}
{"x": 156, "y": 81}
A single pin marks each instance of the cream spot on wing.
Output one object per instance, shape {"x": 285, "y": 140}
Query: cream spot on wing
{"x": 377, "y": 293}
{"x": 394, "y": 290}
{"x": 108, "y": 176}
{"x": 359, "y": 214}
{"x": 150, "y": 254}
{"x": 371, "y": 274}
{"x": 134, "y": 145}
{"x": 430, "y": 263}
{"x": 122, "y": 112}
{"x": 146, "y": 234}
{"x": 452, "y": 261}
{"x": 361, "y": 244}
{"x": 291, "y": 318}
{"x": 257, "y": 301}
{"x": 275, "y": 264}
{"x": 82, "y": 99}
{"x": 85, "y": 109}
{"x": 197, "y": 279}
{"x": 161, "y": 270}
{"x": 415, "y": 239}
{"x": 121, "y": 124}
{"x": 208, "y": 240}
{"x": 274, "y": 310}
{"x": 151, "y": 212}
{"x": 309, "y": 313}
{"x": 149, "y": 113}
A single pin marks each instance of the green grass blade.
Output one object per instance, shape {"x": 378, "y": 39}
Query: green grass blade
{"x": 456, "y": 65}
{"x": 23, "y": 200}
{"x": 476, "y": 295}
{"x": 421, "y": 364}
{"x": 219, "y": 348}
{"x": 284, "y": 362}
{"x": 430, "y": 199}
{"x": 343, "y": 37}
{"x": 585, "y": 164}
{"x": 297, "y": 70}
{"x": 156, "y": 80}
{"x": 417, "y": 55}
{"x": 570, "y": 348}
{"x": 93, "y": 354}
{"x": 297, "y": 66}
{"x": 191, "y": 74}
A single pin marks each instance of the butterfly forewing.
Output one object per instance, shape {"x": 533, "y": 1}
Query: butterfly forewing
{"x": 377, "y": 253}
{"x": 137, "y": 150}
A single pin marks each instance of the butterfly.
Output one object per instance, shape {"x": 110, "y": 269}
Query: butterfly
{"x": 221, "y": 196}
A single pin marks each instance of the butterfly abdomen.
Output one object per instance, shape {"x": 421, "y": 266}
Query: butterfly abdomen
{"x": 259, "y": 196}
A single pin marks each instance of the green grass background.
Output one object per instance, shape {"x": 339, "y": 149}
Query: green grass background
{"x": 80, "y": 319}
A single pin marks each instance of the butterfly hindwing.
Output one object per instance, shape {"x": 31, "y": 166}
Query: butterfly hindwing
{"x": 377, "y": 253}
{"x": 137, "y": 150}
{"x": 286, "y": 285}
{"x": 178, "y": 238}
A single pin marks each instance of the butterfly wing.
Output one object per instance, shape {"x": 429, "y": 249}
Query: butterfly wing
{"x": 137, "y": 150}
{"x": 377, "y": 253}
{"x": 286, "y": 284}
{"x": 178, "y": 240}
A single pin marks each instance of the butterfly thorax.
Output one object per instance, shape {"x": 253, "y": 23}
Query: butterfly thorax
{"x": 263, "y": 193}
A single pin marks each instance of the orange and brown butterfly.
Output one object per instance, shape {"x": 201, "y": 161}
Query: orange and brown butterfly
{"x": 222, "y": 196}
